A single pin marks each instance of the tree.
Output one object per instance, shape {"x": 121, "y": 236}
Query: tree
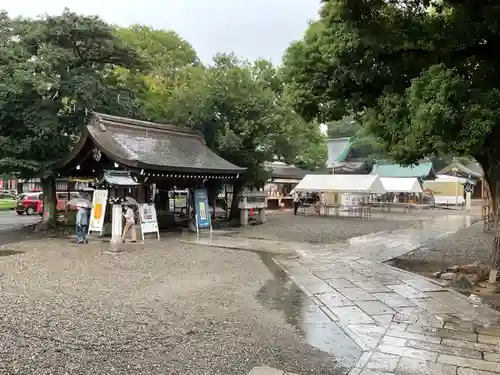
{"x": 420, "y": 75}
{"x": 242, "y": 113}
{"x": 345, "y": 127}
{"x": 169, "y": 61}
{"x": 54, "y": 71}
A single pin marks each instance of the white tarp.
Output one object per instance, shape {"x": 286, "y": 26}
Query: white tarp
{"x": 341, "y": 183}
{"x": 401, "y": 184}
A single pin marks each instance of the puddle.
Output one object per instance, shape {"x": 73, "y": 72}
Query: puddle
{"x": 422, "y": 267}
{"x": 280, "y": 293}
{"x": 8, "y": 252}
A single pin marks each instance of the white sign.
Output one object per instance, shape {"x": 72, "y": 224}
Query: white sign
{"x": 148, "y": 220}
{"x": 99, "y": 201}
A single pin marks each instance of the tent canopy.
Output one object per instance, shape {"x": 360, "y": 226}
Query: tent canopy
{"x": 346, "y": 183}
{"x": 401, "y": 185}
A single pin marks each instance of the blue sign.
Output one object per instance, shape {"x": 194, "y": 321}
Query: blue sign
{"x": 202, "y": 208}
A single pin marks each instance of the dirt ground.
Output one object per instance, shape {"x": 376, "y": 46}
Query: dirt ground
{"x": 159, "y": 308}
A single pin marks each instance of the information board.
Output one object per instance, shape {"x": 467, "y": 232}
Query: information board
{"x": 148, "y": 219}
{"x": 203, "y": 220}
{"x": 99, "y": 202}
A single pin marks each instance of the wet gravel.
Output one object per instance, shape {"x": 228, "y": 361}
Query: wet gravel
{"x": 468, "y": 245}
{"x": 163, "y": 308}
{"x": 285, "y": 226}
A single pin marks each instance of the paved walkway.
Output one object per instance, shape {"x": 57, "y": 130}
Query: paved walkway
{"x": 403, "y": 323}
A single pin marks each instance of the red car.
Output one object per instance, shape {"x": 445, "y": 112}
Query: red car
{"x": 32, "y": 203}
{"x": 29, "y": 203}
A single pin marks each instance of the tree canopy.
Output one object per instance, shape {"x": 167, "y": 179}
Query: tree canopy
{"x": 54, "y": 71}
{"x": 421, "y": 75}
{"x": 240, "y": 109}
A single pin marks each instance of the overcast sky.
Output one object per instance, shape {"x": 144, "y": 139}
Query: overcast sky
{"x": 250, "y": 28}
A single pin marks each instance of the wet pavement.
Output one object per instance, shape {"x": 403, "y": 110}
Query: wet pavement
{"x": 385, "y": 320}
{"x": 265, "y": 370}
{"x": 307, "y": 316}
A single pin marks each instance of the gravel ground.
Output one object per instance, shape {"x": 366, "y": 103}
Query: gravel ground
{"x": 285, "y": 226}
{"x": 159, "y": 308}
{"x": 468, "y": 245}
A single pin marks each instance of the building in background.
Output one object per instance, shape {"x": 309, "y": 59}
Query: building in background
{"x": 344, "y": 158}
{"x": 283, "y": 180}
{"x": 423, "y": 171}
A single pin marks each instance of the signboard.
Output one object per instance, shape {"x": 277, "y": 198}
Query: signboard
{"x": 148, "y": 220}
{"x": 203, "y": 220}
{"x": 99, "y": 201}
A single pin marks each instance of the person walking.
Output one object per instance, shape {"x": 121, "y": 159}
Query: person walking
{"x": 296, "y": 202}
{"x": 82, "y": 224}
{"x": 129, "y": 224}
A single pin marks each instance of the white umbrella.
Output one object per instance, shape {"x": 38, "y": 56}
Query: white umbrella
{"x": 80, "y": 202}
{"x": 130, "y": 201}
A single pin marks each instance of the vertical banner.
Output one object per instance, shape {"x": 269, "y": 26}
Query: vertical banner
{"x": 148, "y": 219}
{"x": 99, "y": 201}
{"x": 203, "y": 220}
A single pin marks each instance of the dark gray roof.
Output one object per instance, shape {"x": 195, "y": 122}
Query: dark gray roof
{"x": 141, "y": 144}
{"x": 471, "y": 170}
{"x": 281, "y": 170}
{"x": 118, "y": 178}
{"x": 351, "y": 167}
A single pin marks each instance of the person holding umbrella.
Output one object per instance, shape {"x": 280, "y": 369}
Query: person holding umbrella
{"x": 82, "y": 223}
{"x": 83, "y": 206}
{"x": 129, "y": 219}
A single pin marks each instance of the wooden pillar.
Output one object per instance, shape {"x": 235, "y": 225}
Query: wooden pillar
{"x": 141, "y": 193}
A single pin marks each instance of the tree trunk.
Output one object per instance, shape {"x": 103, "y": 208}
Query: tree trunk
{"x": 492, "y": 176}
{"x": 235, "y": 211}
{"x": 49, "y": 202}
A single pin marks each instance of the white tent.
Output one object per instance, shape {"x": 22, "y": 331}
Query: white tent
{"x": 401, "y": 184}
{"x": 341, "y": 183}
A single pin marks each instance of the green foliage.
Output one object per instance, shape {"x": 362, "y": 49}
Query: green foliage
{"x": 169, "y": 61}
{"x": 240, "y": 110}
{"x": 54, "y": 71}
{"x": 345, "y": 127}
{"x": 420, "y": 75}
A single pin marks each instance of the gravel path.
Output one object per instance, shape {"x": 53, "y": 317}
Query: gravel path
{"x": 285, "y": 226}
{"x": 160, "y": 308}
{"x": 468, "y": 245}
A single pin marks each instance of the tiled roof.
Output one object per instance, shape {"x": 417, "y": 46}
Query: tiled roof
{"x": 338, "y": 150}
{"x": 141, "y": 144}
{"x": 118, "y": 178}
{"x": 473, "y": 170}
{"x": 282, "y": 170}
{"x": 422, "y": 170}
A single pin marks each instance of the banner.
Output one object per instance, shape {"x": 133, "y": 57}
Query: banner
{"x": 203, "y": 219}
{"x": 99, "y": 201}
{"x": 148, "y": 219}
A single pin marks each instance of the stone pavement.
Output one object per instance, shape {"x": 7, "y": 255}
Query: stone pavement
{"x": 404, "y": 323}
{"x": 265, "y": 370}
